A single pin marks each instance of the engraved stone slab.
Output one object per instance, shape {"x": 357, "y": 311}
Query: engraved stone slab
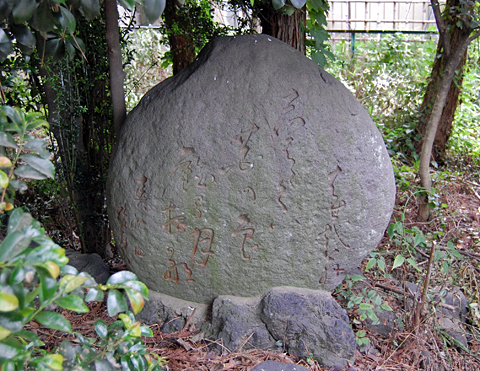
{"x": 250, "y": 169}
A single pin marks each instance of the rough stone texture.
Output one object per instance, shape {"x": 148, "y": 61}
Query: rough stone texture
{"x": 236, "y": 320}
{"x": 310, "y": 323}
{"x": 93, "y": 264}
{"x": 252, "y": 168}
{"x": 172, "y": 312}
{"x": 278, "y": 366}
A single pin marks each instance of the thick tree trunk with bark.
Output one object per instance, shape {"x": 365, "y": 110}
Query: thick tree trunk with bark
{"x": 289, "y": 29}
{"x": 181, "y": 42}
{"x": 445, "y": 125}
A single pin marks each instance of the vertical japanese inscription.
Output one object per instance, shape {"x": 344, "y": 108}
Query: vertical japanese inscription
{"x": 330, "y": 233}
{"x": 243, "y": 139}
{"x": 246, "y": 232}
{"x": 283, "y": 135}
{"x": 192, "y": 170}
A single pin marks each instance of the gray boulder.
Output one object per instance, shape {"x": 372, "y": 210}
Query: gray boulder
{"x": 278, "y": 366}
{"x": 250, "y": 169}
{"x": 92, "y": 264}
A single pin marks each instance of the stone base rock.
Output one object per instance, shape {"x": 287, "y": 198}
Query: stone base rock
{"x": 304, "y": 322}
{"x": 278, "y": 366}
{"x": 93, "y": 264}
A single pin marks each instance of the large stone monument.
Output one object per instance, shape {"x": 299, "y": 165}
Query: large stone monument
{"x": 252, "y": 168}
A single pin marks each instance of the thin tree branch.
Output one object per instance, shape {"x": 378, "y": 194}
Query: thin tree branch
{"x": 442, "y": 28}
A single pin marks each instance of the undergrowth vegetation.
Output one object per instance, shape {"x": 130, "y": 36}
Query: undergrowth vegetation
{"x": 418, "y": 265}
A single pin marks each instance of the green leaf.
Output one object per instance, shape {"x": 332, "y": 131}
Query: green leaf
{"x": 23, "y": 10}
{"x": 4, "y": 333}
{"x": 419, "y": 239}
{"x": 7, "y": 140}
{"x": 73, "y": 303}
{"x": 69, "y": 283}
{"x": 19, "y": 221}
{"x": 146, "y": 331}
{"x": 381, "y": 263}
{"x": 116, "y": 303}
{"x": 40, "y": 164}
{"x": 3, "y": 179}
{"x": 136, "y": 299}
{"x": 127, "y": 4}
{"x": 8, "y": 351}
{"x": 12, "y": 321}
{"x": 371, "y": 263}
{"x": 90, "y": 8}
{"x": 55, "y": 49}
{"x": 140, "y": 287}
{"x": 48, "y": 286}
{"x": 413, "y": 264}
{"x": 398, "y": 262}
{"x": 6, "y": 46}
{"x": 357, "y": 277}
{"x": 14, "y": 244}
{"x": 121, "y": 277}
{"x": 19, "y": 185}
{"x": 298, "y": 3}
{"x": 54, "y": 361}
{"x": 54, "y": 321}
{"x": 365, "y": 306}
{"x": 94, "y": 295}
{"x": 278, "y": 4}
{"x": 103, "y": 365}
{"x": 8, "y": 302}
{"x": 153, "y": 9}
{"x": 101, "y": 329}
{"x": 66, "y": 21}
{"x": 43, "y": 19}
{"x": 28, "y": 172}
{"x": 387, "y": 307}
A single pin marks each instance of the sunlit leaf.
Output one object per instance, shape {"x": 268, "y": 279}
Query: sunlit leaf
{"x": 398, "y": 262}
{"x": 8, "y": 302}
{"x": 69, "y": 283}
{"x": 19, "y": 220}
{"x": 13, "y": 244}
{"x": 52, "y": 268}
{"x": 365, "y": 306}
{"x": 73, "y": 303}
{"x": 4, "y": 333}
{"x": 5, "y": 161}
{"x": 136, "y": 299}
{"x": 54, "y": 361}
{"x": 116, "y": 303}
{"x": 3, "y": 179}
{"x": 101, "y": 328}
{"x": 138, "y": 286}
{"x": 54, "y": 320}
{"x": 413, "y": 264}
{"x": 94, "y": 295}
{"x": 8, "y": 351}
{"x": 121, "y": 277}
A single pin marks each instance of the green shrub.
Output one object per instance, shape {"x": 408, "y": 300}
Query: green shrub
{"x": 34, "y": 275}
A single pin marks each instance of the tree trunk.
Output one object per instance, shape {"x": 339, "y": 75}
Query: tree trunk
{"x": 181, "y": 43}
{"x": 289, "y": 29}
{"x": 448, "y": 114}
{"x": 115, "y": 62}
{"x": 80, "y": 117}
